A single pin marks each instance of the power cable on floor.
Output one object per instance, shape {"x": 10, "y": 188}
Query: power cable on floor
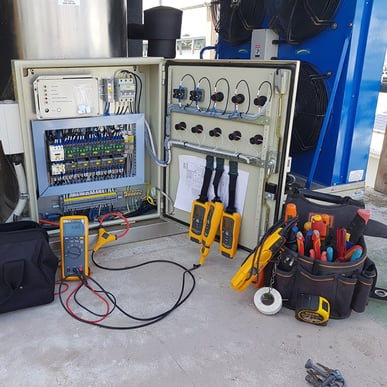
{"x": 108, "y": 297}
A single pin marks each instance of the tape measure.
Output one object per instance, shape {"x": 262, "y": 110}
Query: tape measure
{"x": 312, "y": 309}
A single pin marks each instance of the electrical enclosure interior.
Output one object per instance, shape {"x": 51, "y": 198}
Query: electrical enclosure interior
{"x": 131, "y": 135}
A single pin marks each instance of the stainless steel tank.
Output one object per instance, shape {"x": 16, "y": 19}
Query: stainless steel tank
{"x": 54, "y": 29}
{"x": 51, "y": 29}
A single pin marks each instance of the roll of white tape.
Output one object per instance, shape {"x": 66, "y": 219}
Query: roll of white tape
{"x": 268, "y": 301}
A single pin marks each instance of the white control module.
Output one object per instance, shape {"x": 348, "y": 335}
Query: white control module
{"x": 66, "y": 96}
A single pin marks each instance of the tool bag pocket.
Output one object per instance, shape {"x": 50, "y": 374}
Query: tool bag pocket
{"x": 346, "y": 285}
{"x": 27, "y": 266}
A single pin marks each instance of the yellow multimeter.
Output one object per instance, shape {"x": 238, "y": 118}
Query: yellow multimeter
{"x": 214, "y": 215}
{"x": 230, "y": 223}
{"x": 74, "y": 246}
{"x": 229, "y": 233}
{"x": 198, "y": 216}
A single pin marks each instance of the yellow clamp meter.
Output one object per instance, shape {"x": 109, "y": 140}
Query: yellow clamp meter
{"x": 198, "y": 214}
{"x": 214, "y": 215}
{"x": 229, "y": 234}
{"x": 200, "y": 206}
{"x": 74, "y": 232}
{"x": 231, "y": 220}
{"x": 269, "y": 245}
{"x": 312, "y": 309}
{"x": 250, "y": 270}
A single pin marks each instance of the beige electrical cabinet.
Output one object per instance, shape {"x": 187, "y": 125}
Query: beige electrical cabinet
{"x": 131, "y": 135}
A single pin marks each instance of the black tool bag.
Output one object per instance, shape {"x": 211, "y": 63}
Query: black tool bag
{"x": 27, "y": 266}
{"x": 346, "y": 285}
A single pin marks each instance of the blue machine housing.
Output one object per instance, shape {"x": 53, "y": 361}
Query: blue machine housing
{"x": 343, "y": 155}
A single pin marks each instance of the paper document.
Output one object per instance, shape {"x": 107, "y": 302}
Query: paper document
{"x": 191, "y": 173}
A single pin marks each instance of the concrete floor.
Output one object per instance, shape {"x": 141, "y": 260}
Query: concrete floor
{"x": 217, "y": 338}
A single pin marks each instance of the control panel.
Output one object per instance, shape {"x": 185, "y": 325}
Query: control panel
{"x": 131, "y": 136}
{"x": 87, "y": 129}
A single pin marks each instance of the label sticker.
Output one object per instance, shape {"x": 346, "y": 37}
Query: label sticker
{"x": 355, "y": 175}
{"x": 69, "y": 2}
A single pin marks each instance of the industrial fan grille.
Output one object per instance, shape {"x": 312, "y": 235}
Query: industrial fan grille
{"x": 298, "y": 20}
{"x": 235, "y": 19}
{"x": 310, "y": 109}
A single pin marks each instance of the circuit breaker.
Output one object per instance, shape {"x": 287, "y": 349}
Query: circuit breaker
{"x": 131, "y": 135}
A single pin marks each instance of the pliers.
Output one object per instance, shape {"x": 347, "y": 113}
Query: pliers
{"x": 321, "y": 376}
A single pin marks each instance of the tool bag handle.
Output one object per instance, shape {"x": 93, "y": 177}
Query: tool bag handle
{"x": 329, "y": 198}
{"x": 374, "y": 228}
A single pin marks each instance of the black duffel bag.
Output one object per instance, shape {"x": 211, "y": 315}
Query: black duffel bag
{"x": 27, "y": 266}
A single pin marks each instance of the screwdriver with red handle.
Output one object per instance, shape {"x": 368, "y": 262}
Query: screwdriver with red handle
{"x": 300, "y": 242}
{"x": 319, "y": 225}
{"x": 341, "y": 243}
{"x": 316, "y": 244}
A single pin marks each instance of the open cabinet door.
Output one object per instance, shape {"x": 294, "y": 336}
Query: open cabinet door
{"x": 240, "y": 113}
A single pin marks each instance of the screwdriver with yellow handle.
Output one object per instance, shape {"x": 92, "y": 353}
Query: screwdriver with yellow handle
{"x": 268, "y": 247}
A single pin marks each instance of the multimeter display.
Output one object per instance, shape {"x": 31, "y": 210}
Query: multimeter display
{"x": 227, "y": 232}
{"x": 73, "y": 231}
{"x": 198, "y": 215}
{"x": 198, "y": 219}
